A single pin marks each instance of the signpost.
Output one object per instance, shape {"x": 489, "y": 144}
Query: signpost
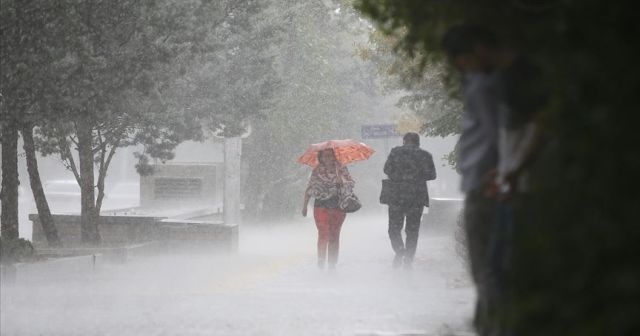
{"x": 379, "y": 131}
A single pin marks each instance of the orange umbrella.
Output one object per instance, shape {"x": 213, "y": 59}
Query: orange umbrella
{"x": 346, "y": 151}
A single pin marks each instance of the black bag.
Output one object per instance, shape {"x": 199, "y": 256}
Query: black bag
{"x": 348, "y": 201}
{"x": 388, "y": 192}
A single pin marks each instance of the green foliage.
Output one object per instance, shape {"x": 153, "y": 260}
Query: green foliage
{"x": 235, "y": 78}
{"x": 106, "y": 75}
{"x": 425, "y": 93}
{"x": 15, "y": 250}
{"x": 104, "y": 62}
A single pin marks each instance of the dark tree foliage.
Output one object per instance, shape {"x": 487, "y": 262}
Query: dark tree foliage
{"x": 14, "y": 250}
{"x": 95, "y": 76}
{"x": 576, "y": 270}
{"x": 25, "y": 44}
{"x": 105, "y": 64}
{"x": 232, "y": 78}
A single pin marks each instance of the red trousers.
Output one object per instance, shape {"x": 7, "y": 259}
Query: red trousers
{"x": 329, "y": 223}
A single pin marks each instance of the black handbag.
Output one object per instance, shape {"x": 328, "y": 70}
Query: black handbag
{"x": 388, "y": 191}
{"x": 348, "y": 201}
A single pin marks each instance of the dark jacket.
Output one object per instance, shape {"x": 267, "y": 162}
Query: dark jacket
{"x": 409, "y": 168}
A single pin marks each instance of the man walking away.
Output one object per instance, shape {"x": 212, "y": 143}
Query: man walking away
{"x": 409, "y": 168}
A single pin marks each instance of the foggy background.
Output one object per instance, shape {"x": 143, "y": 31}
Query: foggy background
{"x": 279, "y": 74}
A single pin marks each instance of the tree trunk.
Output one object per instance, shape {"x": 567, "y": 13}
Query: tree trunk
{"x": 10, "y": 182}
{"x": 48, "y": 226}
{"x": 88, "y": 215}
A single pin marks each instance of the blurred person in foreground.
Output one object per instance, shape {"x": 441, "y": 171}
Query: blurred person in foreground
{"x": 324, "y": 185}
{"x": 466, "y": 48}
{"x": 501, "y": 132}
{"x": 409, "y": 168}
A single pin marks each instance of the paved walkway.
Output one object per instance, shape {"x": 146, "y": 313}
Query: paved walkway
{"x": 272, "y": 287}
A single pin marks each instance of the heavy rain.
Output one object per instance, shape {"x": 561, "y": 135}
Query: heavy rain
{"x": 326, "y": 167}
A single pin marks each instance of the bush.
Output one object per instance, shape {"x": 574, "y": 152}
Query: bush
{"x": 15, "y": 250}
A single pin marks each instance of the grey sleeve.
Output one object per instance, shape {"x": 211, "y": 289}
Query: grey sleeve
{"x": 486, "y": 105}
{"x": 389, "y": 166}
{"x": 430, "y": 169}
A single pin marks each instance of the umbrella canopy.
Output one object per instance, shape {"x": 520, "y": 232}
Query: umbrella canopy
{"x": 346, "y": 151}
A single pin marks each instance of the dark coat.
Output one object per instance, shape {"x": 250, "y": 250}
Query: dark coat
{"x": 409, "y": 168}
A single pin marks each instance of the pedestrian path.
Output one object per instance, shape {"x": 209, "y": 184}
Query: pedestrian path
{"x": 271, "y": 287}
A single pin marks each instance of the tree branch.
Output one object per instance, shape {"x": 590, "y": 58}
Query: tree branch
{"x": 102, "y": 173}
{"x": 65, "y": 156}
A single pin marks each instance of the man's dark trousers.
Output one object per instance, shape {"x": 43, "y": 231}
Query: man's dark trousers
{"x": 397, "y": 216}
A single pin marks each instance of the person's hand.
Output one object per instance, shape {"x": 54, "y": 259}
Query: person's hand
{"x": 304, "y": 212}
{"x": 492, "y": 188}
{"x": 511, "y": 180}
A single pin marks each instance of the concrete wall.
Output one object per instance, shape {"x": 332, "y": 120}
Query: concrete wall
{"x": 183, "y": 183}
{"x": 49, "y": 270}
{"x": 126, "y": 230}
{"x": 115, "y": 230}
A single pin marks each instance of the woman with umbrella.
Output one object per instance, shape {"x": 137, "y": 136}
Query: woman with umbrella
{"x": 330, "y": 179}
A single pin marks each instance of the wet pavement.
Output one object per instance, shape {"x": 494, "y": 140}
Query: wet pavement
{"x": 271, "y": 287}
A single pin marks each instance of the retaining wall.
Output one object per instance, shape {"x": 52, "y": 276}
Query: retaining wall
{"x": 119, "y": 230}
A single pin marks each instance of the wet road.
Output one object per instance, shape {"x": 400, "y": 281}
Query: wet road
{"x": 271, "y": 287}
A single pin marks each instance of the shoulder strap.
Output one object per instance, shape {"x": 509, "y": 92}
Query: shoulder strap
{"x": 338, "y": 175}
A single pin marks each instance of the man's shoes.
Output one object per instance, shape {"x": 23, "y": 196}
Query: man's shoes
{"x": 321, "y": 264}
{"x": 408, "y": 264}
{"x": 397, "y": 261}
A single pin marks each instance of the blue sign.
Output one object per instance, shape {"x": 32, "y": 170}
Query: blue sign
{"x": 379, "y": 131}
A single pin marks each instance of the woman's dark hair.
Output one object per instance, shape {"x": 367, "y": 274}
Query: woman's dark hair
{"x": 320, "y": 154}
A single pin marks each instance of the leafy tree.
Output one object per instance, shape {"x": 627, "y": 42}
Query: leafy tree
{"x": 102, "y": 67}
{"x": 102, "y": 73}
{"x": 325, "y": 92}
{"x": 428, "y": 90}
{"x": 24, "y": 36}
{"x": 424, "y": 89}
{"x": 579, "y": 225}
{"x": 233, "y": 78}
{"x": 124, "y": 73}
